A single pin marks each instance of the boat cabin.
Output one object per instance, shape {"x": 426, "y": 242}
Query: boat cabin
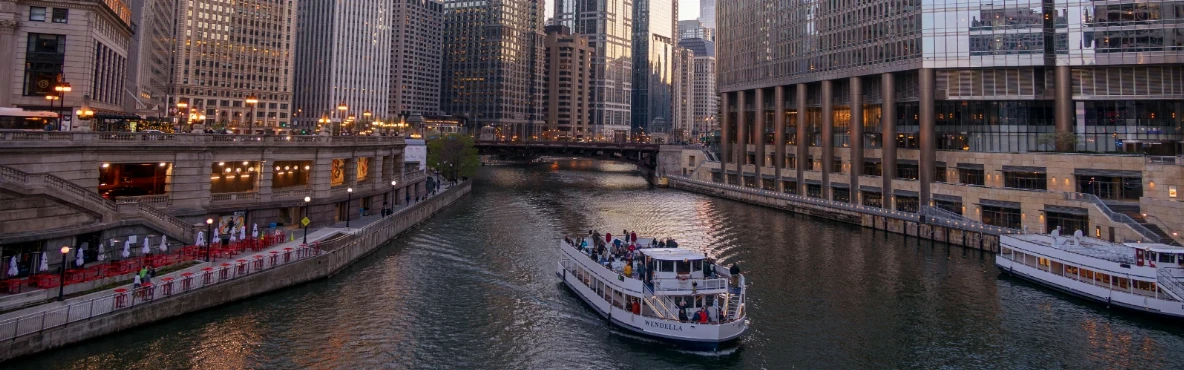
{"x": 673, "y": 263}
{"x": 1158, "y": 255}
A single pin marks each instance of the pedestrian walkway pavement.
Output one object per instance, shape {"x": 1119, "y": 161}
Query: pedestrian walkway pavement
{"x": 295, "y": 237}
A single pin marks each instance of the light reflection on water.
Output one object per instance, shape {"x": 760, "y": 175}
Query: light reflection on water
{"x": 475, "y": 288}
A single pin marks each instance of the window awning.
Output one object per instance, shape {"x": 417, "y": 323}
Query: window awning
{"x": 998, "y": 203}
{"x": 716, "y": 170}
{"x": 947, "y": 198}
{"x": 1107, "y": 173}
{"x": 813, "y": 182}
{"x": 1025, "y": 169}
{"x": 970, "y": 166}
{"x": 1070, "y": 210}
{"x": 906, "y": 161}
{"x": 905, "y": 193}
{"x": 840, "y": 185}
{"x": 767, "y": 176}
{"x": 753, "y": 175}
{"x": 871, "y": 160}
{"x": 939, "y": 164}
{"x": 870, "y": 189}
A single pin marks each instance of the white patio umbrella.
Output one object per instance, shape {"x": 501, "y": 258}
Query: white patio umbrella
{"x": 146, "y": 249}
{"x": 12, "y": 270}
{"x": 44, "y": 263}
{"x": 127, "y": 248}
{"x": 242, "y": 232}
{"x": 164, "y": 245}
{"x": 201, "y": 239}
{"x": 255, "y": 232}
{"x": 78, "y": 260}
{"x": 214, "y": 238}
{"x": 233, "y": 236}
{"x": 102, "y": 252}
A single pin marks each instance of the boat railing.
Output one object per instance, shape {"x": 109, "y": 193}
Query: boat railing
{"x": 1169, "y": 278}
{"x": 665, "y": 285}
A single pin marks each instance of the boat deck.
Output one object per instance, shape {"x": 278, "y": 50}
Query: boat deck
{"x": 1088, "y": 247}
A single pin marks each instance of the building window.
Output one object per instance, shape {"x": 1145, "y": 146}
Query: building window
{"x": 873, "y": 199}
{"x": 44, "y": 57}
{"x": 1025, "y": 180}
{"x": 836, "y": 165}
{"x": 814, "y": 190}
{"x": 840, "y": 194}
{"x": 907, "y": 204}
{"x": 939, "y": 174}
{"x": 1110, "y": 187}
{"x": 1068, "y": 222}
{"x": 61, "y": 15}
{"x": 791, "y": 162}
{"x": 951, "y": 206}
{"x": 36, "y": 14}
{"x": 907, "y": 171}
{"x": 789, "y": 187}
{"x": 873, "y": 168}
{"x": 971, "y": 177}
{"x": 1001, "y": 216}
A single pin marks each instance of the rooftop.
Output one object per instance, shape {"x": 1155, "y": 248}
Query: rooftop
{"x": 1090, "y": 247}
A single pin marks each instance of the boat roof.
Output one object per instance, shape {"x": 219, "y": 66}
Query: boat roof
{"x": 1096, "y": 248}
{"x": 672, "y": 254}
{"x": 1157, "y": 247}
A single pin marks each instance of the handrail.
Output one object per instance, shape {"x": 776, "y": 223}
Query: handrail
{"x": 1114, "y": 216}
{"x": 676, "y": 284}
{"x": 68, "y": 187}
{"x": 1166, "y": 279}
{"x": 942, "y": 213}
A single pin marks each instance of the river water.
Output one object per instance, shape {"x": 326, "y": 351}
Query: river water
{"x": 474, "y": 288}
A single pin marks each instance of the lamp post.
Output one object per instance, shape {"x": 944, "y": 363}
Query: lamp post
{"x": 394, "y": 201}
{"x": 252, "y": 101}
{"x": 62, "y": 279}
{"x": 306, "y": 201}
{"x": 348, "y": 200}
{"x": 341, "y": 108}
{"x": 60, "y": 89}
{"x": 210, "y": 233}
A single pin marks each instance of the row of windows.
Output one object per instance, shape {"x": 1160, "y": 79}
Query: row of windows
{"x": 38, "y": 14}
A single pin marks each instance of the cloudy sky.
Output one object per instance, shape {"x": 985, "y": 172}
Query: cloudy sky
{"x": 687, "y": 9}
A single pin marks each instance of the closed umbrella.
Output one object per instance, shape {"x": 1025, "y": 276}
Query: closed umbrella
{"x": 12, "y": 270}
{"x": 78, "y": 260}
{"x": 242, "y": 232}
{"x": 201, "y": 238}
{"x": 44, "y": 263}
{"x": 102, "y": 252}
{"x": 127, "y": 248}
{"x": 164, "y": 246}
{"x": 146, "y": 249}
{"x": 214, "y": 239}
{"x": 233, "y": 236}
{"x": 255, "y": 231}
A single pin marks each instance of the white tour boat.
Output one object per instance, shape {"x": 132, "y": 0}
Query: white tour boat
{"x": 1145, "y": 277}
{"x": 664, "y": 284}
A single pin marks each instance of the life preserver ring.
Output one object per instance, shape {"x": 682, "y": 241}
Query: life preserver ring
{"x": 684, "y": 277}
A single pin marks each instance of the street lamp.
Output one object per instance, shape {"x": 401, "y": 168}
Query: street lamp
{"x": 348, "y": 202}
{"x": 62, "y": 278}
{"x": 306, "y": 201}
{"x": 394, "y": 201}
{"x": 252, "y": 101}
{"x": 341, "y": 108}
{"x": 60, "y": 89}
{"x": 210, "y": 234}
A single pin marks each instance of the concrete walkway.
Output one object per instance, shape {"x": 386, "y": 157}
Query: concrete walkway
{"x": 296, "y": 235}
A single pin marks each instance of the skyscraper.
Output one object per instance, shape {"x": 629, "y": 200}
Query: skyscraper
{"x": 655, "y": 32}
{"x": 569, "y": 84}
{"x": 609, "y": 28}
{"x": 493, "y": 64}
{"x": 228, "y": 51}
{"x": 707, "y": 13}
{"x": 706, "y": 100}
{"x": 684, "y": 93}
{"x": 417, "y": 33}
{"x": 150, "y": 57}
{"x": 343, "y": 57}
{"x": 694, "y": 29}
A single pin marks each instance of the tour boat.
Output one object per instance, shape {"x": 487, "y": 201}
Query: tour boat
{"x": 1145, "y": 277}
{"x": 674, "y": 279}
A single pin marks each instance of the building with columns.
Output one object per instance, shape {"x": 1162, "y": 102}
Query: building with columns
{"x": 80, "y": 42}
{"x": 958, "y": 107}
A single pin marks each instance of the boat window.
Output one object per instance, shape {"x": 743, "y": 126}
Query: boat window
{"x": 1123, "y": 283}
{"x": 667, "y": 266}
{"x": 1043, "y": 261}
{"x": 1087, "y": 274}
{"x": 1167, "y": 258}
{"x": 1070, "y": 270}
{"x": 697, "y": 265}
{"x": 683, "y": 267}
{"x": 1102, "y": 278}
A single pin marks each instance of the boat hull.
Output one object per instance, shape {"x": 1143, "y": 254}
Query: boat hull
{"x": 634, "y": 323}
{"x": 1152, "y": 306}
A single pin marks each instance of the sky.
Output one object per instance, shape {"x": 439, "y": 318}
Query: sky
{"x": 687, "y": 9}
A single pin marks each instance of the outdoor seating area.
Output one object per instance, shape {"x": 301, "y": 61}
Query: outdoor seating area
{"x": 52, "y": 278}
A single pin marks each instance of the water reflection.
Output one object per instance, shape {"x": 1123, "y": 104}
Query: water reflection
{"x": 475, "y": 288}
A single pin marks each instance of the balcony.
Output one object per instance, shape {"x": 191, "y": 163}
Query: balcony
{"x": 242, "y": 197}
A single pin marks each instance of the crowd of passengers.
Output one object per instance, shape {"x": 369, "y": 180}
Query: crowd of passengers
{"x": 625, "y": 256}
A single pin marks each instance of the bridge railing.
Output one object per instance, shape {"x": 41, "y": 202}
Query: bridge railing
{"x": 569, "y": 144}
{"x": 91, "y": 138}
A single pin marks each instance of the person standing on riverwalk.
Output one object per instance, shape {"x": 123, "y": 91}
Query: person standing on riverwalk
{"x": 136, "y": 281}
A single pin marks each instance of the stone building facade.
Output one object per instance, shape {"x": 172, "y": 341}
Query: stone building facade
{"x": 569, "y": 84}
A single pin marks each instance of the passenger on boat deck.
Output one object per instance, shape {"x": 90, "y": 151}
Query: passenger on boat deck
{"x": 671, "y": 243}
{"x": 583, "y": 244}
{"x": 616, "y": 243}
{"x": 682, "y": 314}
{"x": 701, "y": 316}
{"x": 628, "y": 270}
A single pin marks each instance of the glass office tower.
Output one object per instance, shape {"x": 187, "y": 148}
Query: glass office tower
{"x": 608, "y": 24}
{"x": 655, "y": 35}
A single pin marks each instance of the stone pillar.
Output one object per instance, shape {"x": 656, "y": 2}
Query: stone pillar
{"x": 725, "y": 144}
{"x": 856, "y": 135}
{"x": 928, "y": 131}
{"x": 742, "y": 137}
{"x": 828, "y": 137}
{"x": 266, "y": 175}
{"x": 758, "y": 141}
{"x": 1064, "y": 105}
{"x": 778, "y": 136}
{"x": 803, "y": 148}
{"x": 351, "y": 172}
{"x": 7, "y": 53}
{"x": 321, "y": 179}
{"x": 888, "y": 121}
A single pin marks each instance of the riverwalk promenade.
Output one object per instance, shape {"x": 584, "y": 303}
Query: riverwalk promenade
{"x": 208, "y": 284}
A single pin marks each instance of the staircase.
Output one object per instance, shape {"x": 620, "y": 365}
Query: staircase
{"x": 1134, "y": 213}
{"x": 1123, "y": 213}
{"x": 1170, "y": 283}
{"x": 78, "y": 197}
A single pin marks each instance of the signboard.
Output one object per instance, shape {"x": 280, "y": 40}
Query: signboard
{"x": 305, "y": 221}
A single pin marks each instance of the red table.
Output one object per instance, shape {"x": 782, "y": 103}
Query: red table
{"x": 15, "y": 285}
{"x": 145, "y": 291}
{"x": 242, "y": 267}
{"x": 209, "y": 275}
{"x": 167, "y": 287}
{"x": 186, "y": 281}
{"x": 287, "y": 255}
{"x": 120, "y": 297}
{"x": 258, "y": 262}
{"x": 224, "y": 272}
